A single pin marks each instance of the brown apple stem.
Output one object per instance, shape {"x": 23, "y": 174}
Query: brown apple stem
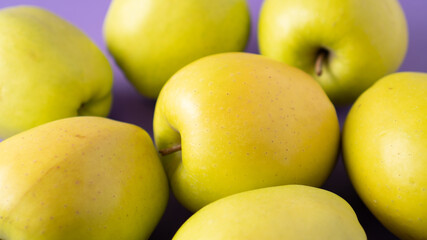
{"x": 319, "y": 62}
{"x": 170, "y": 150}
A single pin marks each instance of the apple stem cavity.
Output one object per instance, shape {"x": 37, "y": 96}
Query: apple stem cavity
{"x": 321, "y": 58}
{"x": 170, "y": 150}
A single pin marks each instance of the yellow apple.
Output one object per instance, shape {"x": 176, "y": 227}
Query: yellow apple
{"x": 80, "y": 178}
{"x": 243, "y": 121}
{"x": 49, "y": 70}
{"x": 385, "y": 152}
{"x": 293, "y": 212}
{"x": 346, "y": 45}
{"x": 152, "y": 39}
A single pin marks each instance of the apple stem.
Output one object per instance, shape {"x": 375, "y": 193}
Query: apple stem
{"x": 319, "y": 62}
{"x": 170, "y": 150}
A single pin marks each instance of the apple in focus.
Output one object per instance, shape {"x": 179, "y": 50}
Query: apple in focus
{"x": 242, "y": 122}
{"x": 81, "y": 178}
{"x": 385, "y": 152}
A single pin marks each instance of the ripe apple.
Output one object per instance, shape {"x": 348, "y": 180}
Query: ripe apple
{"x": 385, "y": 152}
{"x": 80, "y": 178}
{"x": 275, "y": 213}
{"x": 152, "y": 39}
{"x": 49, "y": 70}
{"x": 243, "y": 122}
{"x": 346, "y": 45}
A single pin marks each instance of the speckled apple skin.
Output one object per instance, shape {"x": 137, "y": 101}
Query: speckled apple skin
{"x": 244, "y": 122}
{"x": 80, "y": 178}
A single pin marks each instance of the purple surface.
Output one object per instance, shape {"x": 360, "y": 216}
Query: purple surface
{"x": 130, "y": 107}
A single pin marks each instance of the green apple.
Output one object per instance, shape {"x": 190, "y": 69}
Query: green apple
{"x": 385, "y": 152}
{"x": 80, "y": 178}
{"x": 152, "y": 39}
{"x": 49, "y": 70}
{"x": 243, "y": 121}
{"x": 277, "y": 213}
{"x": 346, "y": 45}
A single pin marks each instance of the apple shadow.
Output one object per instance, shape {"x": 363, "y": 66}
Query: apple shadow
{"x": 130, "y": 106}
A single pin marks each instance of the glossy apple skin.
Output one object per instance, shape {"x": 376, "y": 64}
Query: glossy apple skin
{"x": 366, "y": 40}
{"x": 80, "y": 178}
{"x": 49, "y": 70}
{"x": 276, "y": 213}
{"x": 385, "y": 152}
{"x": 244, "y": 122}
{"x": 152, "y": 39}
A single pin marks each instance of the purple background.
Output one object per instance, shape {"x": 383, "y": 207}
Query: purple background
{"x": 131, "y": 107}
